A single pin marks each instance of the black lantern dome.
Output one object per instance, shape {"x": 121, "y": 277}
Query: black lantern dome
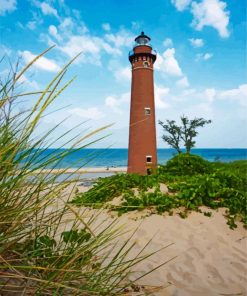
{"x": 140, "y": 52}
{"x": 142, "y": 39}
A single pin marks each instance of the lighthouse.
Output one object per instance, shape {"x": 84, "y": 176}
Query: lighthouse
{"x": 142, "y": 153}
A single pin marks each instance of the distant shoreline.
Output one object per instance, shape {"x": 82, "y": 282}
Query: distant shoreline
{"x": 85, "y": 170}
{"x": 97, "y": 160}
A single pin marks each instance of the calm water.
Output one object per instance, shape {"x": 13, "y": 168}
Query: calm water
{"x": 118, "y": 157}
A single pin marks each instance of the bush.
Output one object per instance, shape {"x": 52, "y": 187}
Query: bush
{"x": 188, "y": 164}
{"x": 219, "y": 189}
{"x": 106, "y": 189}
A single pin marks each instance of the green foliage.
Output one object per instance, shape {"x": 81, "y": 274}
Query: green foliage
{"x": 42, "y": 249}
{"x": 189, "y": 130}
{"x": 174, "y": 134}
{"x": 187, "y": 164}
{"x": 214, "y": 190}
{"x": 161, "y": 202}
{"x": 186, "y": 132}
{"x": 76, "y": 236}
{"x": 192, "y": 182}
{"x": 38, "y": 254}
{"x": 207, "y": 214}
{"x": 183, "y": 215}
{"x": 108, "y": 188}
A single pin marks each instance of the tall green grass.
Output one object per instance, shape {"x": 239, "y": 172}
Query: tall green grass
{"x": 47, "y": 247}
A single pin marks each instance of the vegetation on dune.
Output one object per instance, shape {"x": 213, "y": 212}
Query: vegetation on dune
{"x": 192, "y": 182}
{"x": 186, "y": 164}
{"x": 47, "y": 247}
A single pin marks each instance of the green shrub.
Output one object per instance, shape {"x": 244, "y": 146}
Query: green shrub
{"x": 161, "y": 202}
{"x": 187, "y": 164}
{"x": 106, "y": 189}
{"x": 220, "y": 189}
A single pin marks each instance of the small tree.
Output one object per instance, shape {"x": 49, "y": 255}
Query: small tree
{"x": 187, "y": 132}
{"x": 174, "y": 134}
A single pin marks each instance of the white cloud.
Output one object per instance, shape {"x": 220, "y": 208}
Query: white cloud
{"x": 72, "y": 37}
{"x": 35, "y": 21}
{"x": 204, "y": 56}
{"x": 167, "y": 63}
{"x": 209, "y": 94}
{"x": 183, "y": 82}
{"x": 188, "y": 92}
{"x": 42, "y": 63}
{"x": 196, "y": 42}
{"x": 7, "y": 6}
{"x": 160, "y": 94}
{"x": 181, "y": 4}
{"x": 121, "y": 38}
{"x": 106, "y": 27}
{"x": 207, "y": 56}
{"x": 211, "y": 13}
{"x": 108, "y": 48}
{"x": 90, "y": 48}
{"x": 47, "y": 9}
{"x": 53, "y": 30}
{"x": 31, "y": 25}
{"x": 89, "y": 113}
{"x": 121, "y": 73}
{"x": 54, "y": 33}
{"x": 68, "y": 26}
{"x": 168, "y": 42}
{"x": 237, "y": 94}
{"x": 83, "y": 44}
{"x": 115, "y": 103}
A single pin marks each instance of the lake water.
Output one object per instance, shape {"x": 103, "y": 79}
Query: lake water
{"x": 118, "y": 157}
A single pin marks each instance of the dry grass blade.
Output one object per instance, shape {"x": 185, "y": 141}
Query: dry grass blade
{"x": 42, "y": 252}
{"x": 31, "y": 63}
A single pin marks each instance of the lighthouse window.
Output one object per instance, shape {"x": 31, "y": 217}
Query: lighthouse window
{"x": 145, "y": 64}
{"x": 149, "y": 159}
{"x": 147, "y": 111}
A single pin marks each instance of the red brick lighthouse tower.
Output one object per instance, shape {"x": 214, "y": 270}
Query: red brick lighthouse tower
{"x": 142, "y": 157}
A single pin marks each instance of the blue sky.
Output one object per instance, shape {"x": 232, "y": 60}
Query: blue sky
{"x": 200, "y": 70}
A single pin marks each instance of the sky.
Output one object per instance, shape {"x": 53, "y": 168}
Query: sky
{"x": 200, "y": 69}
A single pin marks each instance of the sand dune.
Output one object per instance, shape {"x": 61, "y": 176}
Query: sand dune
{"x": 210, "y": 258}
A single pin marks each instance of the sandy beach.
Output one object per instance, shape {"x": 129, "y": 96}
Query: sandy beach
{"x": 205, "y": 257}
{"x": 84, "y": 170}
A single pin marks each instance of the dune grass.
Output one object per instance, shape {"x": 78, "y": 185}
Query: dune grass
{"x": 47, "y": 247}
